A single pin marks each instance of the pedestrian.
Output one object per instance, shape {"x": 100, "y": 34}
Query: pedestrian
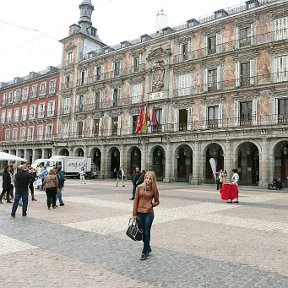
{"x": 146, "y": 198}
{"x": 61, "y": 180}
{"x": 121, "y": 176}
{"x": 234, "y": 181}
{"x": 219, "y": 179}
{"x": 50, "y": 185}
{"x": 6, "y": 184}
{"x": 42, "y": 174}
{"x": 13, "y": 171}
{"x": 141, "y": 177}
{"x": 32, "y": 171}
{"x": 134, "y": 179}
{"x": 22, "y": 180}
{"x": 82, "y": 175}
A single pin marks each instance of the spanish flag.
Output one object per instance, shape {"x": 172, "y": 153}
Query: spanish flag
{"x": 139, "y": 121}
{"x": 146, "y": 121}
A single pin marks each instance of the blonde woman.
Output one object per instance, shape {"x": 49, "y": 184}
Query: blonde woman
{"x": 146, "y": 198}
{"x": 50, "y": 185}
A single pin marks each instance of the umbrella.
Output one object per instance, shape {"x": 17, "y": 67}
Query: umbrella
{"x": 10, "y": 157}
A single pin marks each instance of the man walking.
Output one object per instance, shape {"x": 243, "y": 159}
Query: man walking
{"x": 22, "y": 181}
{"x": 134, "y": 179}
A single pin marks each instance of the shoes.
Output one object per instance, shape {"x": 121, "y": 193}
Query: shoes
{"x": 143, "y": 257}
{"x": 12, "y": 216}
{"x": 62, "y": 204}
{"x": 34, "y": 199}
{"x": 24, "y": 215}
{"x": 149, "y": 251}
{"x": 9, "y": 201}
{"x": 229, "y": 202}
{"x": 123, "y": 185}
{"x": 235, "y": 202}
{"x": 54, "y": 207}
{"x": 131, "y": 199}
{"x": 48, "y": 208}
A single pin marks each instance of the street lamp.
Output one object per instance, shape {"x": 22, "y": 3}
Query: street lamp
{"x": 285, "y": 151}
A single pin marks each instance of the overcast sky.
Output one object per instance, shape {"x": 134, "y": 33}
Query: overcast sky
{"x": 30, "y": 30}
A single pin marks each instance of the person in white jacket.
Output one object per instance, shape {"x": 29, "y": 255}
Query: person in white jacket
{"x": 82, "y": 175}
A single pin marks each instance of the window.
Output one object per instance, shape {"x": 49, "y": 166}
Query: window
{"x": 183, "y": 116}
{"x": 32, "y": 112}
{"x": 98, "y": 73}
{"x": 80, "y": 129}
{"x": 50, "y": 108}
{"x": 211, "y": 45}
{"x": 245, "y": 74}
{"x": 52, "y": 86}
{"x": 9, "y": 116}
{"x": 3, "y": 117}
{"x": 212, "y": 80}
{"x": 48, "y": 132}
{"x": 136, "y": 64}
{"x": 30, "y": 135}
{"x": 134, "y": 124}
{"x": 158, "y": 113}
{"x": 116, "y": 96}
{"x": 69, "y": 57}
{"x": 83, "y": 77}
{"x": 246, "y": 113}
{"x": 16, "y": 115}
{"x": 40, "y": 132}
{"x": 25, "y": 93}
{"x": 24, "y": 113}
{"x": 41, "y": 110}
{"x": 184, "y": 85}
{"x": 66, "y": 106}
{"x": 96, "y": 127}
{"x": 281, "y": 67}
{"x": 213, "y": 116}
{"x": 137, "y": 91}
{"x": 10, "y": 98}
{"x": 4, "y": 99}
{"x": 81, "y": 102}
{"x": 43, "y": 89}
{"x": 15, "y": 134}
{"x": 67, "y": 81}
{"x": 97, "y": 100}
{"x": 283, "y": 111}
{"x": 114, "y": 125}
{"x": 117, "y": 68}
{"x": 17, "y": 94}
{"x": 22, "y": 133}
{"x": 281, "y": 28}
{"x": 245, "y": 37}
{"x": 7, "y": 135}
{"x": 34, "y": 91}
{"x": 65, "y": 129}
{"x": 184, "y": 51}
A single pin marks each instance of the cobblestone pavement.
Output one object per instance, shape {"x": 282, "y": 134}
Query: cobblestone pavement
{"x": 197, "y": 240}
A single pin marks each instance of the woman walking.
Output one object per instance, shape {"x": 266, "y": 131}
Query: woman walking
{"x": 147, "y": 197}
{"x": 234, "y": 181}
{"x": 50, "y": 185}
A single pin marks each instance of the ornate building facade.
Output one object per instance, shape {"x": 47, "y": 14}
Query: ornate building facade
{"x": 28, "y": 114}
{"x": 217, "y": 85}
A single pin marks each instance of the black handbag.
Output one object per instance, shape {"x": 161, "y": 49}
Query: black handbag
{"x": 133, "y": 230}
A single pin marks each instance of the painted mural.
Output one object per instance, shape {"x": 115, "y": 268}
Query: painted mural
{"x": 198, "y": 114}
{"x": 227, "y": 113}
{"x": 126, "y": 93}
{"x": 106, "y": 125}
{"x": 263, "y": 28}
{"x": 198, "y": 45}
{"x": 263, "y": 66}
{"x": 229, "y": 72}
{"x": 198, "y": 79}
{"x": 125, "y": 123}
{"x": 264, "y": 107}
{"x": 228, "y": 37}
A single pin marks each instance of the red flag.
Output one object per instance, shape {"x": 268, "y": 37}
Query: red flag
{"x": 139, "y": 121}
{"x": 146, "y": 119}
{"x": 154, "y": 118}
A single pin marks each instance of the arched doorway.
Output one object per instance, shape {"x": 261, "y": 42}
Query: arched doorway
{"x": 64, "y": 152}
{"x": 79, "y": 152}
{"x": 135, "y": 159}
{"x": 115, "y": 162}
{"x": 215, "y": 153}
{"x": 281, "y": 162}
{"x": 248, "y": 164}
{"x": 184, "y": 163}
{"x": 158, "y": 162}
{"x": 97, "y": 159}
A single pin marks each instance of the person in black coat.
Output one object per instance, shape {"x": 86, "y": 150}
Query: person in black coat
{"x": 6, "y": 184}
{"x": 22, "y": 181}
{"x": 141, "y": 177}
{"x": 134, "y": 179}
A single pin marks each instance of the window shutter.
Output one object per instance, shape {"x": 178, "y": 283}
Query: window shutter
{"x": 100, "y": 126}
{"x": 189, "y": 119}
{"x": 119, "y": 132}
{"x": 219, "y": 77}
{"x": 218, "y": 42}
{"x": 252, "y": 72}
{"x": 220, "y": 123}
{"x": 254, "y": 112}
{"x": 236, "y": 38}
{"x": 237, "y": 74}
{"x": 204, "y": 118}
{"x": 176, "y": 119}
{"x": 252, "y": 34}
{"x": 205, "y": 78}
{"x": 163, "y": 119}
{"x": 206, "y": 46}
{"x": 236, "y": 113}
{"x": 275, "y": 110}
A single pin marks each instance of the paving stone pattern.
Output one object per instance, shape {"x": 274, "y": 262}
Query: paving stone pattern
{"x": 197, "y": 239}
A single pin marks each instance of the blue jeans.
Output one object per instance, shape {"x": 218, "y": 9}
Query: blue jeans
{"x": 59, "y": 196}
{"x": 146, "y": 220}
{"x": 24, "y": 196}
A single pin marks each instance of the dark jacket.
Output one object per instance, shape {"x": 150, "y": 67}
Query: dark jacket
{"x": 22, "y": 181}
{"x": 140, "y": 178}
{"x": 135, "y": 177}
{"x": 6, "y": 184}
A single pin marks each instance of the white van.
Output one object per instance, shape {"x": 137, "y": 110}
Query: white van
{"x": 39, "y": 162}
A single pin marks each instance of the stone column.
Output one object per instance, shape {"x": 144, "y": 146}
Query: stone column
{"x": 144, "y": 157}
{"x": 196, "y": 163}
{"x": 104, "y": 159}
{"x": 264, "y": 163}
{"x": 168, "y": 163}
{"x": 229, "y": 159}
